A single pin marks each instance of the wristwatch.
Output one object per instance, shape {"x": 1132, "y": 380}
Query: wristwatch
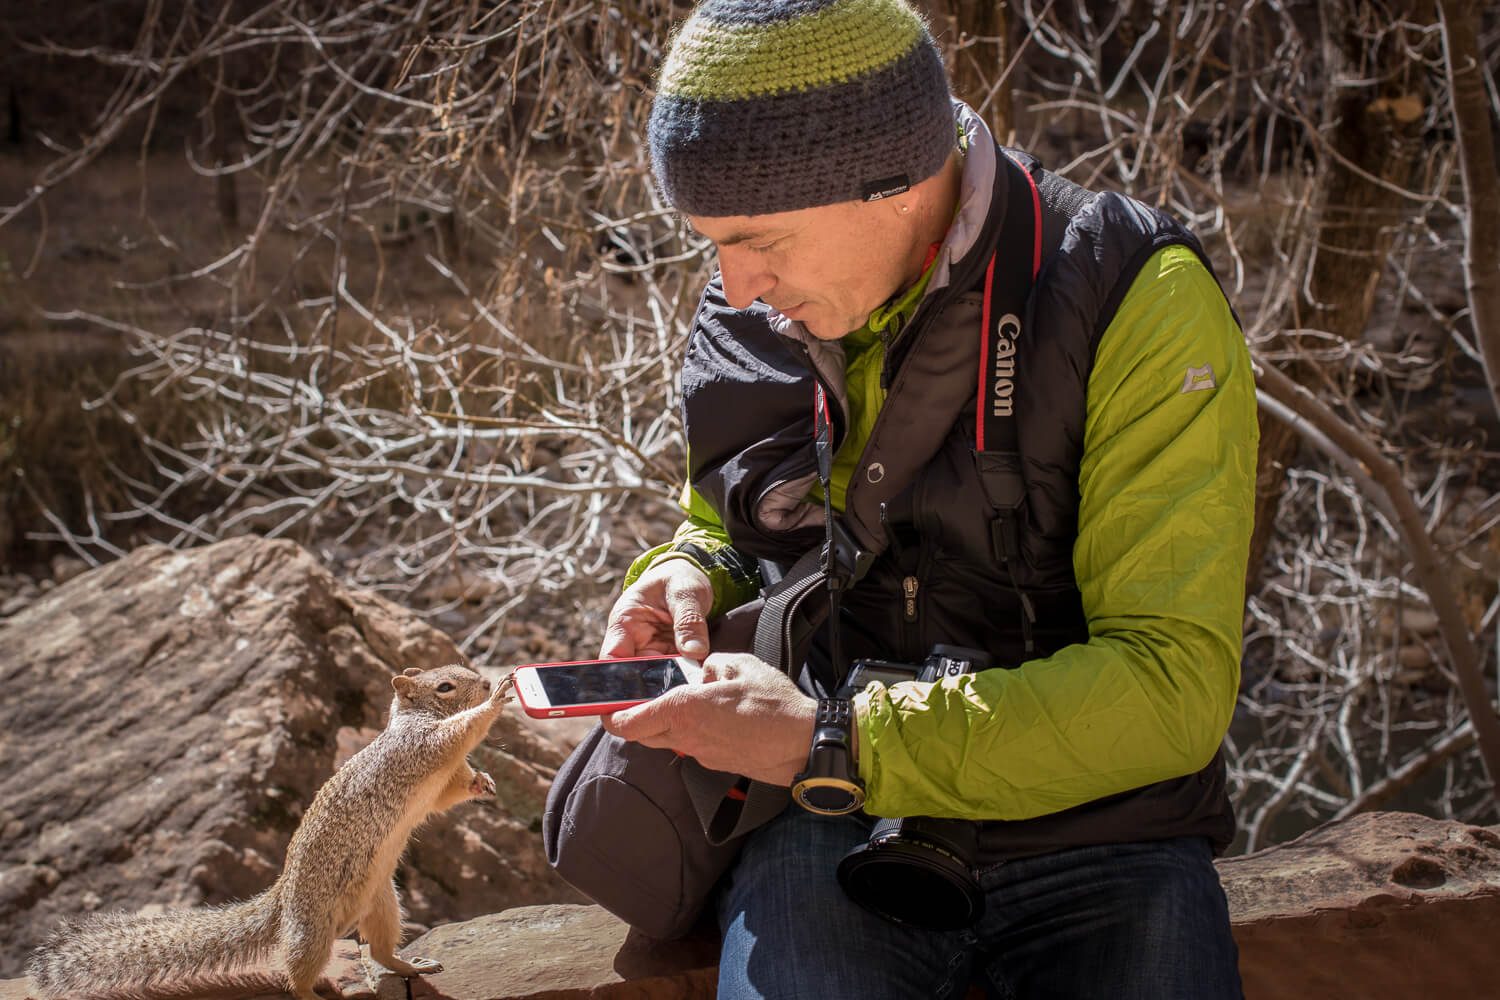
{"x": 829, "y": 784}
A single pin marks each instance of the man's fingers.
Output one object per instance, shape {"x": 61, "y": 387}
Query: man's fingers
{"x": 664, "y": 612}
{"x": 692, "y": 639}
{"x": 635, "y": 630}
{"x": 728, "y": 666}
{"x": 618, "y": 643}
{"x": 689, "y": 621}
{"x": 753, "y": 722}
{"x": 642, "y": 724}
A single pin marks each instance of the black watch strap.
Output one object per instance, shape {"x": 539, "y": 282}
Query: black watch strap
{"x": 830, "y": 785}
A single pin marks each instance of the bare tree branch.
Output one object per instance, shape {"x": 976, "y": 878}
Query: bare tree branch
{"x": 1473, "y": 115}
{"x": 1355, "y": 450}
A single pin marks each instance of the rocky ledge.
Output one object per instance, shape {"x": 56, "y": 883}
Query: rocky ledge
{"x": 1379, "y": 905}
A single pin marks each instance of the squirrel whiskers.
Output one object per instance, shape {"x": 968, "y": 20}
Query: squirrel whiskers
{"x": 339, "y": 864}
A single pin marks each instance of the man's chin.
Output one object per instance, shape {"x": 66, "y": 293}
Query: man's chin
{"x": 823, "y": 332}
{"x": 822, "y": 327}
{"x": 815, "y": 321}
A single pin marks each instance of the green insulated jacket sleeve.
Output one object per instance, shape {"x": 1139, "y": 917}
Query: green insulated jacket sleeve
{"x": 1167, "y": 496}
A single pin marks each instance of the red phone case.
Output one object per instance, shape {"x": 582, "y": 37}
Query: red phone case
{"x": 581, "y": 709}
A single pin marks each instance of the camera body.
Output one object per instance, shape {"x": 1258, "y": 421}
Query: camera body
{"x": 917, "y": 870}
{"x": 943, "y": 661}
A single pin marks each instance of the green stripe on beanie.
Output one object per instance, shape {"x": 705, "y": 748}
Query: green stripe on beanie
{"x": 734, "y": 60}
{"x": 775, "y": 105}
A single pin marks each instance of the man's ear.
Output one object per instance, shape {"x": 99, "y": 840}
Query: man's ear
{"x": 904, "y": 203}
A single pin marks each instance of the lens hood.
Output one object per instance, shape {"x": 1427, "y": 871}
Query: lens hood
{"x": 912, "y": 879}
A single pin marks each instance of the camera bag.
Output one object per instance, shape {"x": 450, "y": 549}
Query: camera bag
{"x": 646, "y": 833}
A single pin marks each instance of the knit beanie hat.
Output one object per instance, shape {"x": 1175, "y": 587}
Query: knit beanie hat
{"x": 776, "y": 105}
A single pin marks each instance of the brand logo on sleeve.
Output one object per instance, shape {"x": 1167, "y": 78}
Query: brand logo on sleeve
{"x": 1199, "y": 378}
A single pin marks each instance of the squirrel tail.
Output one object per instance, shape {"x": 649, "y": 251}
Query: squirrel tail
{"x": 114, "y": 952}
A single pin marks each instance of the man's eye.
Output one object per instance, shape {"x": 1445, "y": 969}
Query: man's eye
{"x": 762, "y": 247}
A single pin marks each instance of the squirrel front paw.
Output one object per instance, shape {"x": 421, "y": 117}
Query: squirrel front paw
{"x": 501, "y": 694}
{"x": 482, "y": 786}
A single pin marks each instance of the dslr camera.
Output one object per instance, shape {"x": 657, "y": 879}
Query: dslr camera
{"x": 917, "y": 870}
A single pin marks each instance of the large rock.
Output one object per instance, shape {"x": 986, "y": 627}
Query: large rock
{"x": 563, "y": 951}
{"x": 167, "y": 717}
{"x": 1382, "y": 905}
{"x": 1378, "y": 905}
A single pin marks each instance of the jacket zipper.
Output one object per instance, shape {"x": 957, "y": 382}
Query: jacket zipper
{"x": 909, "y": 583}
{"x": 909, "y": 591}
{"x": 887, "y": 337}
{"x": 841, "y": 406}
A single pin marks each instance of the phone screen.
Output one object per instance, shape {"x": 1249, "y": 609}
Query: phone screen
{"x": 609, "y": 681}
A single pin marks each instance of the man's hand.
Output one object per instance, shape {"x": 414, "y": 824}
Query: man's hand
{"x": 746, "y": 718}
{"x": 665, "y": 611}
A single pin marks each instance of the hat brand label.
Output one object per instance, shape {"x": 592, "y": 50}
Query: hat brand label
{"x": 887, "y": 187}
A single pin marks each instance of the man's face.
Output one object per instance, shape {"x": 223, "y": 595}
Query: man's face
{"x": 825, "y": 267}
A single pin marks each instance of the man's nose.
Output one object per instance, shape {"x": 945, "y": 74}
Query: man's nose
{"x": 744, "y": 277}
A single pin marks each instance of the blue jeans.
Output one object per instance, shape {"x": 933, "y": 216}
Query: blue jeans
{"x": 1140, "y": 921}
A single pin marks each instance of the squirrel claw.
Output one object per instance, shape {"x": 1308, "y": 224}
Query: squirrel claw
{"x": 408, "y": 967}
{"x": 482, "y": 785}
{"x": 501, "y": 693}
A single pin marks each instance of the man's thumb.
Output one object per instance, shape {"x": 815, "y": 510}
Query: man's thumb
{"x": 692, "y": 637}
{"x": 689, "y": 623}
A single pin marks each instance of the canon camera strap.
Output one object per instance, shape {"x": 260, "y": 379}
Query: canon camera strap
{"x": 997, "y": 445}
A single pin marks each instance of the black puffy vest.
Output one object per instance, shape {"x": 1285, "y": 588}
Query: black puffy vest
{"x": 916, "y": 498}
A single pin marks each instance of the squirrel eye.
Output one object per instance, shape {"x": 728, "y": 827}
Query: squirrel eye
{"x": 444, "y": 687}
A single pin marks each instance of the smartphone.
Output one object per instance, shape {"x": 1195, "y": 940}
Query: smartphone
{"x": 597, "y": 687}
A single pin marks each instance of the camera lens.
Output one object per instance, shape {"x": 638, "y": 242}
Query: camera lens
{"x": 917, "y": 871}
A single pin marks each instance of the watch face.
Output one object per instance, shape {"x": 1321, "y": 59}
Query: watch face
{"x": 828, "y": 785}
{"x": 827, "y": 798}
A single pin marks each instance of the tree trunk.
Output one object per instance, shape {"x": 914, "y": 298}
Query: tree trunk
{"x": 226, "y": 191}
{"x": 1374, "y": 103}
{"x": 1471, "y": 119}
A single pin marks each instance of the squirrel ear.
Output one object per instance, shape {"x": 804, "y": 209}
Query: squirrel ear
{"x": 401, "y": 683}
{"x": 411, "y": 671}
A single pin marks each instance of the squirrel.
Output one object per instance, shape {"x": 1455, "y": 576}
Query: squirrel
{"x": 339, "y": 865}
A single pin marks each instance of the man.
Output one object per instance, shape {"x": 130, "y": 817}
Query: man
{"x": 861, "y": 218}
